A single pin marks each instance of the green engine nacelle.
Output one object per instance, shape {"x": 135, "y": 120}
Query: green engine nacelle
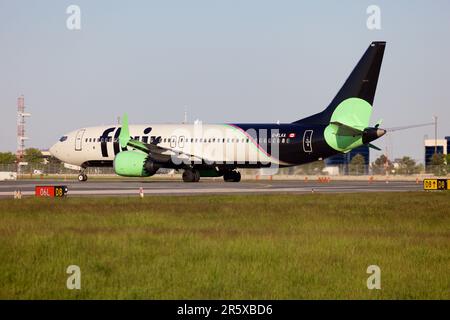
{"x": 131, "y": 164}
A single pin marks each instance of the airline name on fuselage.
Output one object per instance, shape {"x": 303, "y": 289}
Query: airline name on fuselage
{"x": 107, "y": 136}
{"x": 111, "y": 134}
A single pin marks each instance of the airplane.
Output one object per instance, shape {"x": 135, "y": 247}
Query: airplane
{"x": 219, "y": 150}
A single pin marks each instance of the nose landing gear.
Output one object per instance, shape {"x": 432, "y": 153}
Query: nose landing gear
{"x": 82, "y": 177}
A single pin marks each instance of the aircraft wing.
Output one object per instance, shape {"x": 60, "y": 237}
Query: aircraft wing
{"x": 155, "y": 152}
{"x": 145, "y": 147}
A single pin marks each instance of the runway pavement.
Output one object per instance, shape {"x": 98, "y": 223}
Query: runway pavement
{"x": 170, "y": 187}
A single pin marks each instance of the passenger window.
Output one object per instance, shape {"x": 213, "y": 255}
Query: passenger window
{"x": 173, "y": 142}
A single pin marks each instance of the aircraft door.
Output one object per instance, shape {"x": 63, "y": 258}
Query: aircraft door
{"x": 79, "y": 140}
{"x": 307, "y": 141}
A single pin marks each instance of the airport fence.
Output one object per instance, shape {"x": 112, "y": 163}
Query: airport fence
{"x": 314, "y": 169}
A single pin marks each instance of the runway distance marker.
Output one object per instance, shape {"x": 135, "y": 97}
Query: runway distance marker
{"x": 50, "y": 191}
{"x": 436, "y": 184}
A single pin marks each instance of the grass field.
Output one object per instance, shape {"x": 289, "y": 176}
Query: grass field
{"x": 227, "y": 247}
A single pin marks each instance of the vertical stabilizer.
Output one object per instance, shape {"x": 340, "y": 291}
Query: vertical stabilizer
{"x": 362, "y": 83}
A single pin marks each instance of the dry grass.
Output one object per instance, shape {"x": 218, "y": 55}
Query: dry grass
{"x": 227, "y": 247}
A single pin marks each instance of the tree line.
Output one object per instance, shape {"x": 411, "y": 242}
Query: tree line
{"x": 440, "y": 164}
{"x": 31, "y": 155}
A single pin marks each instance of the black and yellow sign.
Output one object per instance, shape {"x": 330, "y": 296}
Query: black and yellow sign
{"x": 436, "y": 184}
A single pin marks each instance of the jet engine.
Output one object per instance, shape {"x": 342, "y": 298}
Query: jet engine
{"x": 134, "y": 164}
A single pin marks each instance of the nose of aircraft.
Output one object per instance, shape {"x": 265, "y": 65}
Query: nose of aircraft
{"x": 54, "y": 150}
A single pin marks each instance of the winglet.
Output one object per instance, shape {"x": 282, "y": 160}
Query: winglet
{"x": 124, "y": 136}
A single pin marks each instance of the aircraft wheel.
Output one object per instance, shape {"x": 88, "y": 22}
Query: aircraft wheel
{"x": 228, "y": 176}
{"x": 197, "y": 176}
{"x": 82, "y": 177}
{"x": 232, "y": 176}
{"x": 188, "y": 176}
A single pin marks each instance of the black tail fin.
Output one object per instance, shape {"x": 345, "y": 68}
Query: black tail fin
{"x": 362, "y": 83}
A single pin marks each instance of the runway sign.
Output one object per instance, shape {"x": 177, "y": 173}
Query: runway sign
{"x": 436, "y": 184}
{"x": 50, "y": 191}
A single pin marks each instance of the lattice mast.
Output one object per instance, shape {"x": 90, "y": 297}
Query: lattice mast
{"x": 21, "y": 115}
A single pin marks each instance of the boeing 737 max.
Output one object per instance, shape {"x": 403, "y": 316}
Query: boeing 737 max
{"x": 202, "y": 150}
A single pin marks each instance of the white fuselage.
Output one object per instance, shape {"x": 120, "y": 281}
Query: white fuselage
{"x": 222, "y": 143}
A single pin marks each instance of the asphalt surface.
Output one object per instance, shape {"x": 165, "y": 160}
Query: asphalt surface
{"x": 171, "y": 187}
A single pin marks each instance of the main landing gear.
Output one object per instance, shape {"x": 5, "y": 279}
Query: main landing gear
{"x": 191, "y": 175}
{"x": 232, "y": 176}
{"x": 82, "y": 176}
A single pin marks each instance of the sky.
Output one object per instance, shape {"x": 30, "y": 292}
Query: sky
{"x": 224, "y": 61}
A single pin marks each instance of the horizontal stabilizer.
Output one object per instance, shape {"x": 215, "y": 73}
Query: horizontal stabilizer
{"x": 345, "y": 130}
{"x": 374, "y": 147}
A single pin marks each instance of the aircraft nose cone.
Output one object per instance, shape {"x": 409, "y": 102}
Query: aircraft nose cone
{"x": 381, "y": 132}
{"x": 53, "y": 150}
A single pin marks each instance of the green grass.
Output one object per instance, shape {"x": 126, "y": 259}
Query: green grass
{"x": 227, "y": 247}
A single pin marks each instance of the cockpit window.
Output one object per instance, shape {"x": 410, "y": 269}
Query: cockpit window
{"x": 63, "y": 138}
